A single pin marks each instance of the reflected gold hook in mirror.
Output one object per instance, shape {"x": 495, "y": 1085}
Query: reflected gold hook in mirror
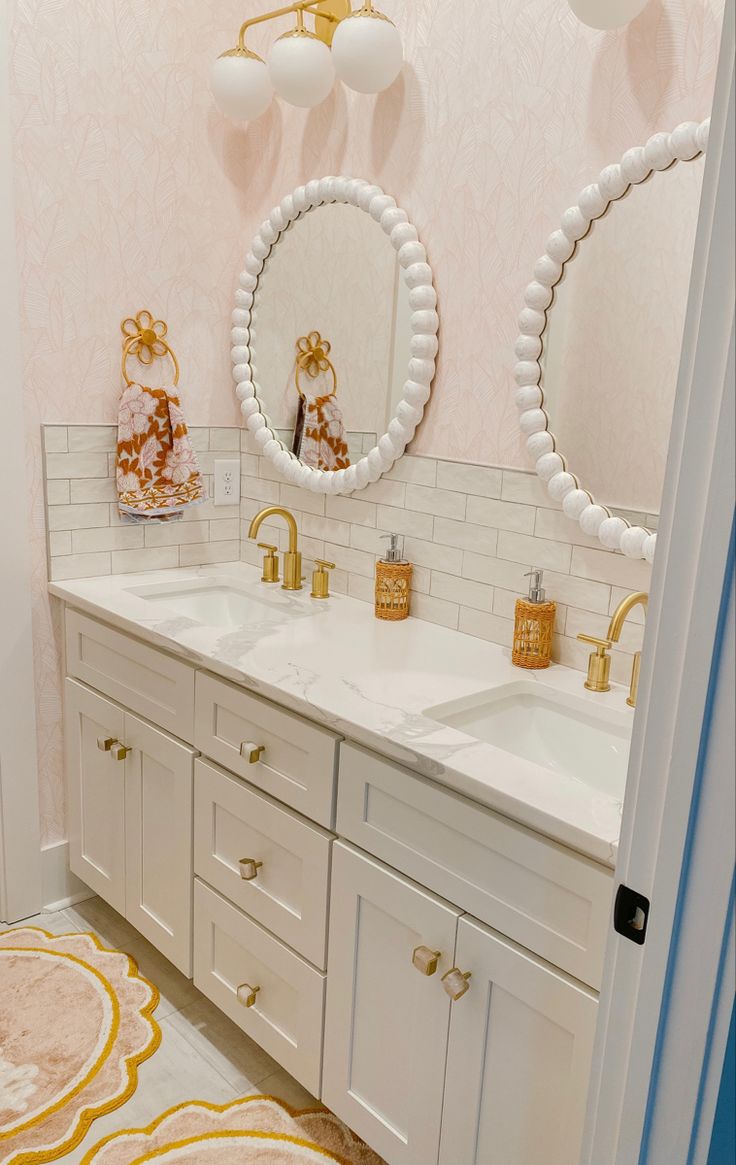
{"x": 313, "y": 357}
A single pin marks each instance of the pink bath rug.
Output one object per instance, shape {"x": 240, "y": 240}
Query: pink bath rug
{"x": 76, "y": 1020}
{"x": 259, "y": 1130}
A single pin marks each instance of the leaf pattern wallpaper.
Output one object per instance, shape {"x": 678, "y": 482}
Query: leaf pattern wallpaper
{"x": 132, "y": 192}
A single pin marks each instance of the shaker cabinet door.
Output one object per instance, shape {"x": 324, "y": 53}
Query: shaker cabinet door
{"x": 519, "y": 1058}
{"x": 386, "y": 1024}
{"x": 158, "y": 835}
{"x": 95, "y": 780}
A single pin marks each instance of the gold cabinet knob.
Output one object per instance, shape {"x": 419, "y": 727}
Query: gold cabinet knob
{"x": 599, "y": 664}
{"x": 425, "y": 960}
{"x": 321, "y": 579}
{"x": 270, "y": 563}
{"x": 105, "y": 743}
{"x": 119, "y": 751}
{"x": 455, "y": 983}
{"x": 252, "y": 752}
{"x": 247, "y": 994}
{"x": 249, "y": 868}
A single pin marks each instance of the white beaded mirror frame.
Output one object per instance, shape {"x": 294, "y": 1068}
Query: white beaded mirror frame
{"x": 662, "y": 150}
{"x": 417, "y": 275}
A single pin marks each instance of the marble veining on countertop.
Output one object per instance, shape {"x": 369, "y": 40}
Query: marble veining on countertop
{"x": 371, "y": 681}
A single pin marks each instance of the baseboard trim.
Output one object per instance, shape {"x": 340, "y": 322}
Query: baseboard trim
{"x": 59, "y": 886}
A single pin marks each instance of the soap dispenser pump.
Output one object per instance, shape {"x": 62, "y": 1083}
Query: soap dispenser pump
{"x": 393, "y": 582}
{"x": 534, "y": 625}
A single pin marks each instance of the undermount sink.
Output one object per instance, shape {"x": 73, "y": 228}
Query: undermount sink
{"x": 218, "y": 602}
{"x": 551, "y": 728}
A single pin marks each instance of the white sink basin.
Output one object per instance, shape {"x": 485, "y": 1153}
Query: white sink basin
{"x": 560, "y": 732}
{"x": 218, "y": 602}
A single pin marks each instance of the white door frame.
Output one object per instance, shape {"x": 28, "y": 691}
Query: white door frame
{"x": 685, "y": 622}
{"x": 20, "y": 851}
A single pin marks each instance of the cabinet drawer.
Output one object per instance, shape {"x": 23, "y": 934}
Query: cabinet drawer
{"x": 296, "y": 761}
{"x": 545, "y": 897}
{"x": 288, "y": 893}
{"x": 231, "y": 952}
{"x": 142, "y": 678}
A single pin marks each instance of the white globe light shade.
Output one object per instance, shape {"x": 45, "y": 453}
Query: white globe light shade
{"x": 607, "y": 13}
{"x": 301, "y": 69}
{"x": 367, "y": 52}
{"x": 240, "y": 85}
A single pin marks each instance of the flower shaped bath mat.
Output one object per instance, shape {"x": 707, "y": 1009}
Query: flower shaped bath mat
{"x": 259, "y": 1130}
{"x": 76, "y": 1020}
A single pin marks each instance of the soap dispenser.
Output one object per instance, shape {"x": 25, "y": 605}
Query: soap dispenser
{"x": 534, "y": 626}
{"x": 393, "y": 582}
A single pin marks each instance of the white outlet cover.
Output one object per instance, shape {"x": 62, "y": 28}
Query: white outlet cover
{"x": 227, "y": 481}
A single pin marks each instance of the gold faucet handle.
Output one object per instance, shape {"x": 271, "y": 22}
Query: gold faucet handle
{"x": 599, "y": 664}
{"x": 601, "y": 644}
{"x": 270, "y": 562}
{"x": 321, "y": 579}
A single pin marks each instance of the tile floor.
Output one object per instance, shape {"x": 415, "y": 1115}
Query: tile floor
{"x": 203, "y": 1055}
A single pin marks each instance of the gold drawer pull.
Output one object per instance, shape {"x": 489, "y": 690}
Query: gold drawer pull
{"x": 119, "y": 751}
{"x": 252, "y": 752}
{"x": 247, "y": 994}
{"x": 105, "y": 743}
{"x": 425, "y": 960}
{"x": 249, "y": 868}
{"x": 455, "y": 983}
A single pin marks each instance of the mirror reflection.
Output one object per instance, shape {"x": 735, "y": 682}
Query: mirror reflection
{"x": 330, "y": 334}
{"x": 612, "y": 342}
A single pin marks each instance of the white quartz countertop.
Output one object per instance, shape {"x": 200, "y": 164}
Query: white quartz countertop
{"x": 372, "y": 681}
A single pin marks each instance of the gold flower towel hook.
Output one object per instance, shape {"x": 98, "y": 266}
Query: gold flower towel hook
{"x": 145, "y": 340}
{"x": 313, "y": 357}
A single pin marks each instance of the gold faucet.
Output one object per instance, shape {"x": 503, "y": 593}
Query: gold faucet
{"x": 292, "y": 558}
{"x": 599, "y": 664}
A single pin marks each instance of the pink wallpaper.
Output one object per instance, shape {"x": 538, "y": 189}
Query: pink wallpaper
{"x": 132, "y": 191}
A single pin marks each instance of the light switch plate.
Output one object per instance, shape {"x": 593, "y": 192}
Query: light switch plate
{"x": 227, "y": 481}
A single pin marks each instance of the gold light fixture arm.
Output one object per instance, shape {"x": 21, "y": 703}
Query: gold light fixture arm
{"x": 322, "y": 10}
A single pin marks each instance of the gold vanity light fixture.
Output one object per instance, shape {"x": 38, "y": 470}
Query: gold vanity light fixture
{"x": 599, "y": 663}
{"x": 362, "y": 47}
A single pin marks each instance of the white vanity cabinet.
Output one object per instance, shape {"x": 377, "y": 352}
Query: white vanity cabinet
{"x": 320, "y": 895}
{"x": 514, "y": 1077}
{"x": 130, "y": 817}
{"x": 386, "y": 1024}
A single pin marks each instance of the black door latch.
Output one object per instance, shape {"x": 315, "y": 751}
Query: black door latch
{"x": 631, "y": 914}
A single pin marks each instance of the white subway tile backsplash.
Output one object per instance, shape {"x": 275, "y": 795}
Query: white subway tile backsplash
{"x": 534, "y": 551}
{"x": 77, "y": 517}
{"x": 349, "y": 509}
{"x": 150, "y": 558}
{"x": 70, "y": 465}
{"x": 92, "y": 438}
{"x": 469, "y": 479}
{"x": 471, "y": 532}
{"x": 465, "y": 535}
{"x": 394, "y": 520}
{"x": 79, "y": 566}
{"x": 428, "y": 500}
{"x": 92, "y": 489}
{"x": 526, "y": 488}
{"x": 200, "y": 553}
{"x": 55, "y": 439}
{"x": 58, "y": 493}
{"x": 502, "y": 515}
{"x": 461, "y": 591}
{"x": 107, "y": 538}
{"x": 611, "y": 568}
{"x": 435, "y": 610}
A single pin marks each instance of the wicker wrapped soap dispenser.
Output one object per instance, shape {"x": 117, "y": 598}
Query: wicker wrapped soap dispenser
{"x": 534, "y": 626}
{"x": 393, "y": 582}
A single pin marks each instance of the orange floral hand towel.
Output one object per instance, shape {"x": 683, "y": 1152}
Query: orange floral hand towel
{"x": 157, "y": 472}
